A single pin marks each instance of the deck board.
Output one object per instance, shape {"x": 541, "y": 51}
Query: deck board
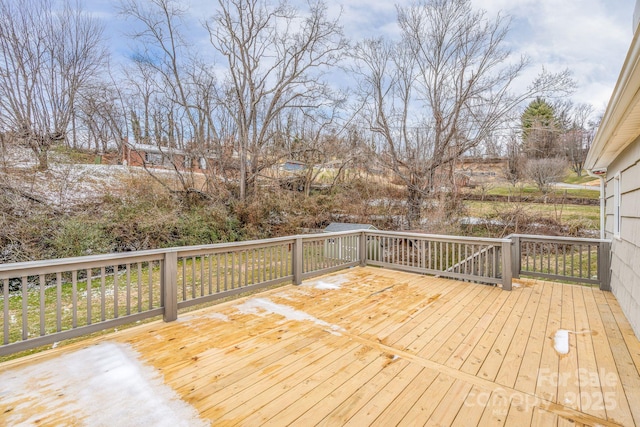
{"x": 383, "y": 348}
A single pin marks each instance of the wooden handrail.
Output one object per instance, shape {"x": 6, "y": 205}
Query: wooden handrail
{"x": 164, "y": 281}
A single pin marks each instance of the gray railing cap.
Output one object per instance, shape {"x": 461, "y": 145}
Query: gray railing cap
{"x": 558, "y": 238}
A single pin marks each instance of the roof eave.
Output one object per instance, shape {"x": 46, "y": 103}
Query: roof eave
{"x": 619, "y": 126}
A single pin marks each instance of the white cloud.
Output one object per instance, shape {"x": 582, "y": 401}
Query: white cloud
{"x": 590, "y": 37}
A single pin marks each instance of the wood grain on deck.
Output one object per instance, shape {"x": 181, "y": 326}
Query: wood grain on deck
{"x": 393, "y": 348}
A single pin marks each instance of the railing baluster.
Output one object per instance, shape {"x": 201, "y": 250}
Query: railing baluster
{"x": 217, "y": 272}
{"x": 246, "y": 267}
{"x": 25, "y": 308}
{"x": 314, "y": 255}
{"x": 193, "y": 277}
{"x": 226, "y": 254}
{"x": 580, "y": 261}
{"x": 253, "y": 266}
{"x": 184, "y": 278}
{"x": 395, "y": 250}
{"x": 210, "y": 274}
{"x": 484, "y": 260}
{"x": 74, "y": 298}
{"x": 128, "y": 272}
{"x": 5, "y": 310}
{"x": 58, "y": 302}
{"x": 233, "y": 270}
{"x": 473, "y": 260}
{"x": 89, "y": 302}
{"x": 103, "y": 298}
{"x": 270, "y": 262}
{"x": 150, "y": 267}
{"x": 534, "y": 245}
{"x": 201, "y": 275}
{"x": 139, "y": 267}
{"x": 42, "y": 306}
{"x": 116, "y": 290}
{"x": 494, "y": 264}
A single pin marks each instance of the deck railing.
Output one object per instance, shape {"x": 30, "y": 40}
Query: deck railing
{"x": 44, "y": 302}
{"x": 465, "y": 258}
{"x": 562, "y": 258}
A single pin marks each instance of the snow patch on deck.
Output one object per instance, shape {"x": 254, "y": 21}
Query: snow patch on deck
{"x": 328, "y": 283}
{"x": 264, "y": 306}
{"x": 217, "y": 316}
{"x": 189, "y": 318}
{"x": 101, "y": 385}
{"x": 561, "y": 341}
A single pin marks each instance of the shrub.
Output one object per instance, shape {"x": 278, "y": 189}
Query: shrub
{"x": 77, "y": 236}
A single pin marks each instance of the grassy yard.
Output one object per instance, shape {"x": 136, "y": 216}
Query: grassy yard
{"x": 573, "y": 178}
{"x": 588, "y": 214}
{"x": 68, "y": 300}
{"x": 532, "y": 191}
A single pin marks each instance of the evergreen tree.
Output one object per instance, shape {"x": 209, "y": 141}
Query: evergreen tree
{"x": 539, "y": 130}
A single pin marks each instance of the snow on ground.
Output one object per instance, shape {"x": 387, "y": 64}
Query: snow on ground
{"x": 101, "y": 385}
{"x": 264, "y": 306}
{"x": 65, "y": 183}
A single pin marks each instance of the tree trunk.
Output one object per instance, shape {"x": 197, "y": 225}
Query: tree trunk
{"x": 414, "y": 208}
{"x": 43, "y": 160}
{"x": 243, "y": 171}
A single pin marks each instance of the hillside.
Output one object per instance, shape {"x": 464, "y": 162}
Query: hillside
{"x": 79, "y": 208}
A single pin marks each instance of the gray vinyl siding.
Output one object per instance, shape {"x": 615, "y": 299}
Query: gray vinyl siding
{"x": 625, "y": 250}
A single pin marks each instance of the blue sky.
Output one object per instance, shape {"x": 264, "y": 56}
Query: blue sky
{"x": 590, "y": 37}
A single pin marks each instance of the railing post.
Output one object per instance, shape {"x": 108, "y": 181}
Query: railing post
{"x": 363, "y": 248}
{"x": 169, "y": 285}
{"x": 604, "y": 265}
{"x": 507, "y": 266}
{"x": 297, "y": 261}
{"x": 516, "y": 257}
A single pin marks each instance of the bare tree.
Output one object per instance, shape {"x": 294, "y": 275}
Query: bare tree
{"x": 48, "y": 57}
{"x": 543, "y": 172}
{"x": 174, "y": 106}
{"x": 441, "y": 91}
{"x": 276, "y": 56}
{"x": 101, "y": 115}
{"x": 578, "y": 130}
{"x": 311, "y": 137}
{"x": 514, "y": 169}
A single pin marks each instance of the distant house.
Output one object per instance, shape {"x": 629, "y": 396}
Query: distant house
{"x": 162, "y": 157}
{"x": 615, "y": 157}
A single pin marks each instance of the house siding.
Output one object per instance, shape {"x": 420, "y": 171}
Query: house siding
{"x": 625, "y": 249}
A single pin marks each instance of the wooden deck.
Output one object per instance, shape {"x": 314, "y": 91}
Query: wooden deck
{"x": 369, "y": 346}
